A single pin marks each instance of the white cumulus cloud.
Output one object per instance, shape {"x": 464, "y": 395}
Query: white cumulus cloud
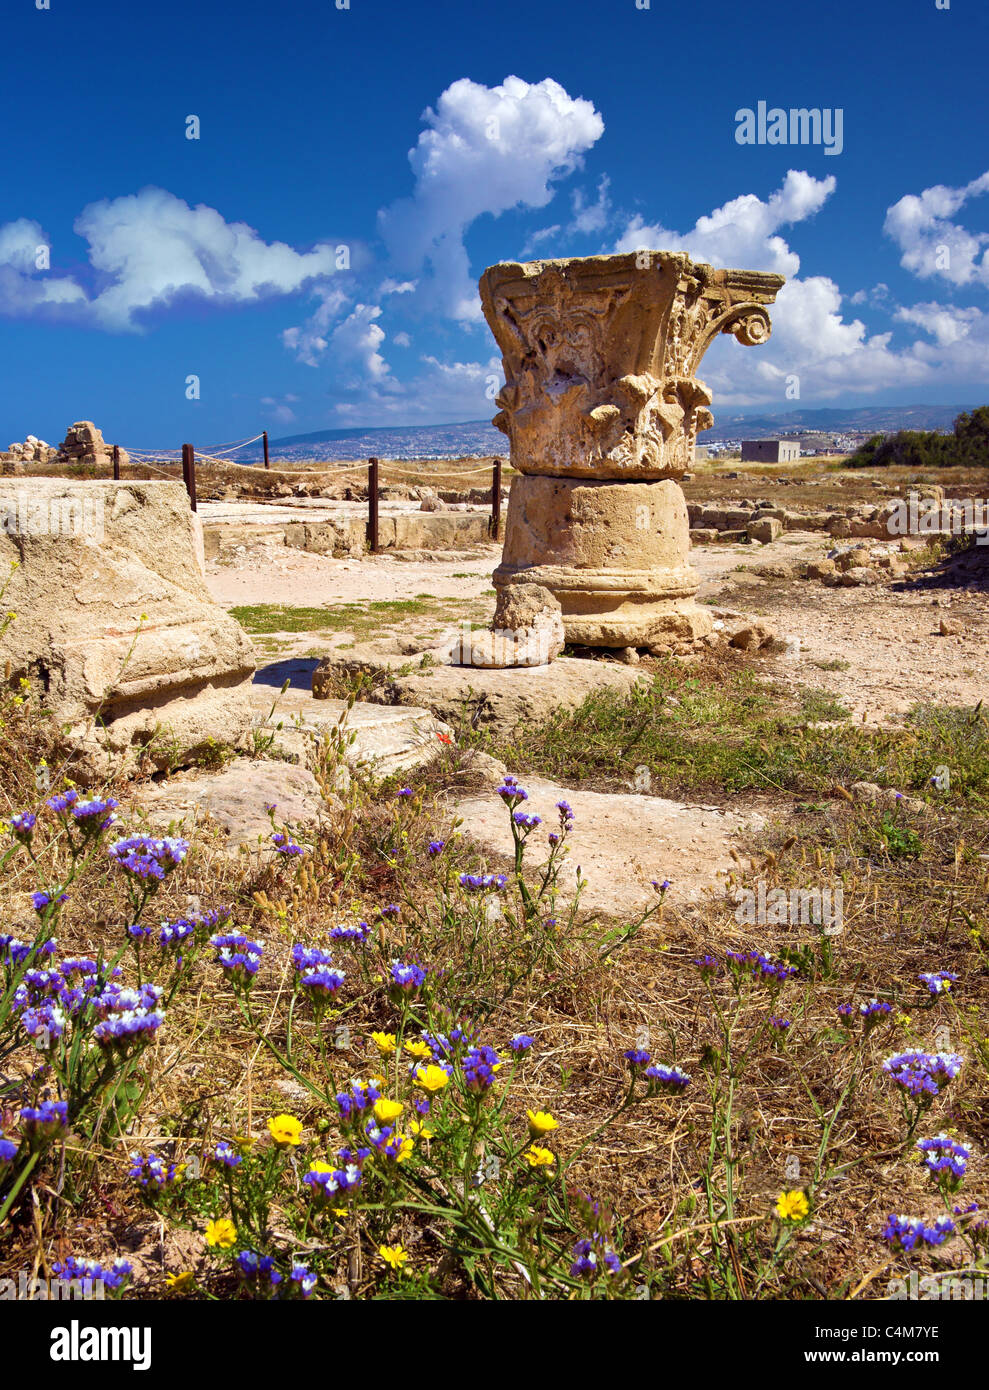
{"x": 930, "y": 243}
{"x": 484, "y": 150}
{"x": 25, "y": 286}
{"x": 150, "y": 249}
{"x": 813, "y": 345}
{"x": 744, "y": 231}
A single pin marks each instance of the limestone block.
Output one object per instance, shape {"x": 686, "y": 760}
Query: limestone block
{"x": 766, "y": 529}
{"x": 115, "y": 623}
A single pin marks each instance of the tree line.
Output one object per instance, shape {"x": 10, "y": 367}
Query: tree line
{"x": 967, "y": 446}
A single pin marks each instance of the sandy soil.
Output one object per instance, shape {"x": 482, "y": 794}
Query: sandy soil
{"x": 278, "y": 574}
{"x": 888, "y": 634}
{"x": 884, "y": 641}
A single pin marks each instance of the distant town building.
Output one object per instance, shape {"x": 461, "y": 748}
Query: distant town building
{"x": 770, "y": 450}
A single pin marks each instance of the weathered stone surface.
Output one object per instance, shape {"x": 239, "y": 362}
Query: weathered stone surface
{"x": 235, "y": 799}
{"x": 32, "y": 450}
{"x": 766, "y": 529}
{"x": 601, "y": 396}
{"x": 751, "y": 636}
{"x": 527, "y": 630}
{"x": 621, "y": 841}
{"x": 600, "y": 355}
{"x": 858, "y": 575}
{"x": 115, "y": 623}
{"x": 500, "y": 697}
{"x": 377, "y": 738}
{"x": 572, "y": 537}
{"x": 84, "y": 443}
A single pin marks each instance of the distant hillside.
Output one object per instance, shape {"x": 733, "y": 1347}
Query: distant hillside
{"x": 359, "y": 431}
{"x": 870, "y": 419}
{"x": 478, "y": 438}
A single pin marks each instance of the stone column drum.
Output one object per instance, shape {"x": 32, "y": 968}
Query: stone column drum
{"x": 602, "y": 406}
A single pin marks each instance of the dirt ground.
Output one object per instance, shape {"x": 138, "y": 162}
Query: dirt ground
{"x": 878, "y": 648}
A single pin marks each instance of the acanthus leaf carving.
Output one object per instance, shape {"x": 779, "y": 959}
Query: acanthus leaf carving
{"x": 601, "y": 353}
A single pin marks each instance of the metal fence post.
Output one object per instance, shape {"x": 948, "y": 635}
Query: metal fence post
{"x": 496, "y": 499}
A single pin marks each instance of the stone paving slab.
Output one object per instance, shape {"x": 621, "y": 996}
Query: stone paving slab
{"x": 621, "y": 841}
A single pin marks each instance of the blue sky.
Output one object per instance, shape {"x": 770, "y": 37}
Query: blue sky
{"x": 370, "y": 128}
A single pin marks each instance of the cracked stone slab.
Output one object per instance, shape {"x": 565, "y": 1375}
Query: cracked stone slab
{"x": 622, "y": 841}
{"x": 383, "y": 739}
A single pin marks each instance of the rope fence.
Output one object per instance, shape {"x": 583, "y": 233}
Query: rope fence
{"x": 186, "y": 457}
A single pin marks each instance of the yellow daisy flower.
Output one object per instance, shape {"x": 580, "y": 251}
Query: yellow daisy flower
{"x": 792, "y": 1206}
{"x": 419, "y": 1049}
{"x": 285, "y": 1129}
{"x": 541, "y": 1122}
{"x": 393, "y": 1255}
{"x": 222, "y": 1233}
{"x": 539, "y": 1158}
{"x": 386, "y": 1043}
{"x": 181, "y": 1283}
{"x": 431, "y": 1078}
{"x": 387, "y": 1110}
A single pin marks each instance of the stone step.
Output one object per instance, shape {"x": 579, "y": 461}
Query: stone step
{"x": 381, "y": 739}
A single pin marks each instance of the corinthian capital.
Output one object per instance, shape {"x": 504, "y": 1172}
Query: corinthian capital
{"x": 600, "y": 356}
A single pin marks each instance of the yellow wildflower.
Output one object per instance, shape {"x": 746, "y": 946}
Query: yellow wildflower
{"x": 419, "y": 1049}
{"x": 792, "y": 1206}
{"x": 386, "y": 1043}
{"x": 181, "y": 1283}
{"x": 431, "y": 1078}
{"x": 541, "y": 1122}
{"x": 387, "y": 1110}
{"x": 539, "y": 1158}
{"x": 222, "y": 1233}
{"x": 393, "y": 1255}
{"x": 285, "y": 1129}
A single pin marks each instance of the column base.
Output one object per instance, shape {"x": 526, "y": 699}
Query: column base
{"x": 620, "y": 610}
{"x": 613, "y": 553}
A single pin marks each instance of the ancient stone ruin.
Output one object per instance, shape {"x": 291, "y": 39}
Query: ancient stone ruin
{"x": 115, "y": 625}
{"x": 84, "y": 443}
{"x": 31, "y": 450}
{"x": 602, "y": 406}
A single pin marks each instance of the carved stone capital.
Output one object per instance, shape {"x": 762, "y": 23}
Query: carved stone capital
{"x": 601, "y": 354}
{"x": 602, "y": 404}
